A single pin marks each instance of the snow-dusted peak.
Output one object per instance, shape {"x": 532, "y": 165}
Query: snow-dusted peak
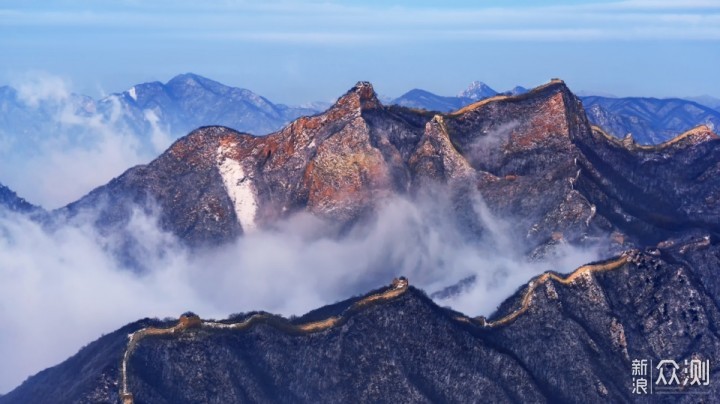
{"x": 477, "y": 90}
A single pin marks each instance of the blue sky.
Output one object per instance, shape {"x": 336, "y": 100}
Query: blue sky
{"x": 298, "y": 51}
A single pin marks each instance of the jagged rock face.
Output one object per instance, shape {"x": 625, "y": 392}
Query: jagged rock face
{"x": 654, "y": 192}
{"x": 533, "y": 158}
{"x": 573, "y": 341}
{"x": 517, "y": 143}
{"x": 650, "y": 308}
{"x": 335, "y": 165}
{"x": 435, "y": 159}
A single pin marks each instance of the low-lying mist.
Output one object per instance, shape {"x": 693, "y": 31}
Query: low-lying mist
{"x": 62, "y": 288}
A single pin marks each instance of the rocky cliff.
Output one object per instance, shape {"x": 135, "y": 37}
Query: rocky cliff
{"x": 533, "y": 158}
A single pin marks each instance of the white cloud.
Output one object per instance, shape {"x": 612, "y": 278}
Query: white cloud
{"x": 159, "y": 135}
{"x": 69, "y": 147}
{"x": 63, "y": 175}
{"x": 52, "y": 303}
{"x": 327, "y": 22}
{"x": 36, "y": 87}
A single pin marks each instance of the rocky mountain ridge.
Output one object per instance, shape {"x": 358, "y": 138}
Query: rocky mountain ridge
{"x": 188, "y": 101}
{"x": 561, "y": 338}
{"x": 338, "y": 165}
{"x": 178, "y": 106}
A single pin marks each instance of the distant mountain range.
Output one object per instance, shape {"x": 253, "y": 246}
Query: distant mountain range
{"x": 649, "y": 120}
{"x": 421, "y": 99}
{"x": 39, "y": 131}
{"x": 189, "y": 101}
{"x": 476, "y": 91}
{"x": 185, "y": 102}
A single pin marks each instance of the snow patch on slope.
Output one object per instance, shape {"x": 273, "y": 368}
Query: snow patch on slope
{"x": 132, "y": 93}
{"x": 240, "y": 189}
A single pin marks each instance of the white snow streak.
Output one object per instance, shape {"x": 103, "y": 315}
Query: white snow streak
{"x": 240, "y": 189}
{"x": 133, "y": 93}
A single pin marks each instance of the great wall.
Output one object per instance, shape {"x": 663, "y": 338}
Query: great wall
{"x": 583, "y": 271}
{"x": 397, "y": 288}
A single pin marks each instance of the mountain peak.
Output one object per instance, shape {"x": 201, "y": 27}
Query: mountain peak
{"x": 365, "y": 90}
{"x": 477, "y": 90}
{"x": 361, "y": 96}
{"x": 187, "y": 77}
{"x": 195, "y": 80}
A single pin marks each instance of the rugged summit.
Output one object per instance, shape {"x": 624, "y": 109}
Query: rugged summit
{"x": 657, "y": 192}
{"x": 534, "y": 158}
{"x": 332, "y": 164}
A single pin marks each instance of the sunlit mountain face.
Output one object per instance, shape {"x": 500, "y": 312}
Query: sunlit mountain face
{"x": 544, "y": 241}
